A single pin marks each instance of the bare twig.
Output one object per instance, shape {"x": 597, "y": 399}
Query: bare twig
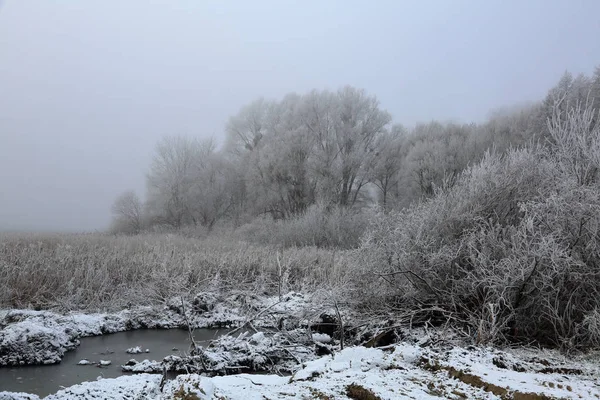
{"x": 193, "y": 344}
{"x": 249, "y": 320}
{"x": 337, "y": 312}
{"x": 279, "y": 276}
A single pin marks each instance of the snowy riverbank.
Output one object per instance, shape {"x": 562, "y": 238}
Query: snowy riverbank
{"x": 42, "y": 337}
{"x": 402, "y": 371}
{"x": 422, "y": 365}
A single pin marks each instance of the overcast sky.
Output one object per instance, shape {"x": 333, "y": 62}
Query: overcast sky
{"x": 88, "y": 87}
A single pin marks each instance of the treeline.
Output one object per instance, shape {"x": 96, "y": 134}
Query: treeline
{"x": 326, "y": 156}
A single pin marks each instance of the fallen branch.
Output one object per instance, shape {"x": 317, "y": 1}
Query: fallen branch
{"x": 249, "y": 320}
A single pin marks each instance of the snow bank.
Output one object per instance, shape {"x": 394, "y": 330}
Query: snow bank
{"x": 17, "y": 396}
{"x": 34, "y": 338}
{"x": 421, "y": 368}
{"x": 143, "y": 386}
{"x": 386, "y": 375}
{"x": 400, "y": 371}
{"x": 42, "y": 337}
{"x": 190, "y": 385}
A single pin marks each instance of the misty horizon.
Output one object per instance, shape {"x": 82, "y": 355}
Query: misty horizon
{"x": 88, "y": 89}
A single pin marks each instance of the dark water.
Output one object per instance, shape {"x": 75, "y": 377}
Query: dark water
{"x": 46, "y": 379}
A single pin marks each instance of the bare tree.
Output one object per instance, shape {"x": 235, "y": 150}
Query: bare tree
{"x": 388, "y": 162}
{"x": 171, "y": 179}
{"x": 345, "y": 126}
{"x": 436, "y": 155}
{"x": 190, "y": 183}
{"x": 212, "y": 194}
{"x": 246, "y": 129}
{"x": 127, "y": 213}
{"x": 306, "y": 149}
{"x": 281, "y": 163}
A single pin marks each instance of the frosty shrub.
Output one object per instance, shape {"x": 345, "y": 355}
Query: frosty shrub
{"x": 575, "y": 140}
{"x": 565, "y": 286}
{"x": 591, "y": 328}
{"x": 510, "y": 251}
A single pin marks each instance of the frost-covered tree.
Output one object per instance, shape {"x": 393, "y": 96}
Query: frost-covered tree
{"x": 281, "y": 163}
{"x": 344, "y": 127}
{"x": 304, "y": 149}
{"x": 567, "y": 93}
{"x": 246, "y": 129}
{"x": 387, "y": 163}
{"x": 173, "y": 178}
{"x": 127, "y": 213}
{"x": 436, "y": 155}
{"x": 509, "y": 127}
{"x": 214, "y": 189}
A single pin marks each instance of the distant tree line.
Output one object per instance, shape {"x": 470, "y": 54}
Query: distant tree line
{"x": 333, "y": 150}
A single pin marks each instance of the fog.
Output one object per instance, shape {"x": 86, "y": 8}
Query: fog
{"x": 88, "y": 88}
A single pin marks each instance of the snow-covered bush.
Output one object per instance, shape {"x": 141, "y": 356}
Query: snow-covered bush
{"x": 512, "y": 249}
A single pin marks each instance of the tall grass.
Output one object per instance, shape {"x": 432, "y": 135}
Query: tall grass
{"x": 320, "y": 226}
{"x": 100, "y": 271}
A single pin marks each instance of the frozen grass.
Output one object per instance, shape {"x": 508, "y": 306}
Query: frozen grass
{"x": 93, "y": 271}
{"x": 317, "y": 226}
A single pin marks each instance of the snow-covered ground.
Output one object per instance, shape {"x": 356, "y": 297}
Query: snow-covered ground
{"x": 419, "y": 367}
{"x": 402, "y": 371}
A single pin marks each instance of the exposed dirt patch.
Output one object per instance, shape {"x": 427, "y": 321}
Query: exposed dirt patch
{"x": 478, "y": 382}
{"x": 384, "y": 338}
{"x": 502, "y": 363}
{"x": 358, "y": 392}
{"x": 316, "y": 394}
{"x": 560, "y": 370}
